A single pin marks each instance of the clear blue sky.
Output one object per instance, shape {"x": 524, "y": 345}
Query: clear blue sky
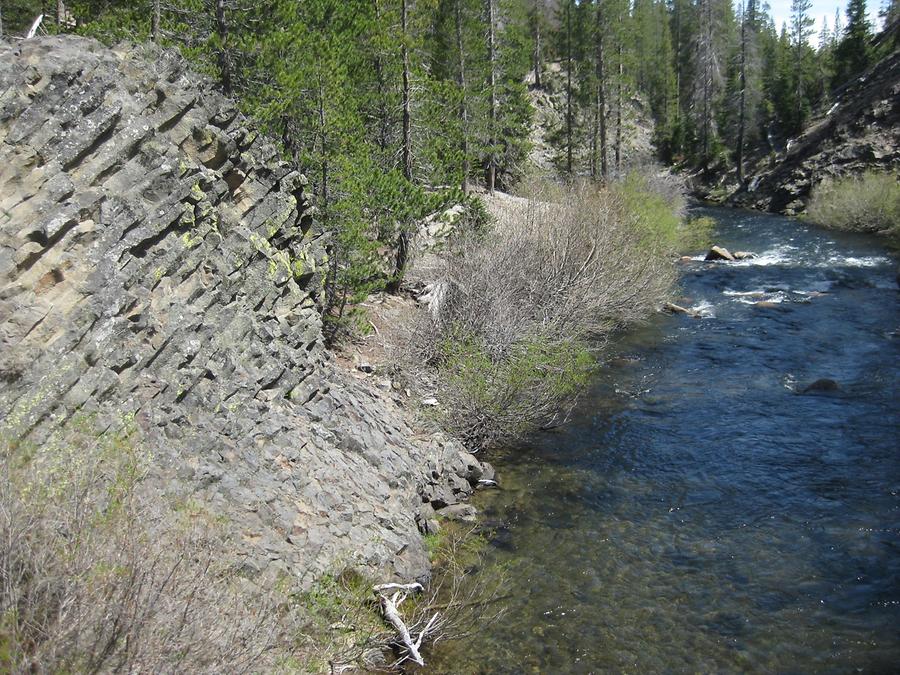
{"x": 781, "y": 10}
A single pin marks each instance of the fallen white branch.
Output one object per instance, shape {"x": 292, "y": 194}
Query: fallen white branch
{"x": 389, "y": 607}
{"x": 398, "y": 587}
{"x": 34, "y": 27}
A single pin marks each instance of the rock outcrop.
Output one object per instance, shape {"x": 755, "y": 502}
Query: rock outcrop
{"x": 159, "y": 262}
{"x": 860, "y": 131}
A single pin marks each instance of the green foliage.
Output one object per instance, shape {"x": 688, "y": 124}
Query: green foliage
{"x": 696, "y": 234}
{"x": 505, "y": 397}
{"x": 853, "y": 52}
{"x": 653, "y": 215}
{"x": 866, "y": 203}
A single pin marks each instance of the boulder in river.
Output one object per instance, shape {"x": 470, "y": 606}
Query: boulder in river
{"x": 719, "y": 253}
{"x": 823, "y": 384}
{"x": 743, "y": 255}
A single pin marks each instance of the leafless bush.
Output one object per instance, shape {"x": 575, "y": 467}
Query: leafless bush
{"x": 511, "y": 313}
{"x": 98, "y": 575}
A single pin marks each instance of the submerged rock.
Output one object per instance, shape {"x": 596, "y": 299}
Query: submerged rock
{"x": 719, "y": 253}
{"x": 821, "y": 385}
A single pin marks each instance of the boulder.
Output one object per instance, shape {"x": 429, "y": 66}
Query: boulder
{"x": 719, "y": 253}
{"x": 463, "y": 513}
{"x": 743, "y": 255}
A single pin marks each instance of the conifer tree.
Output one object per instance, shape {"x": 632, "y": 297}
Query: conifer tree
{"x": 853, "y": 53}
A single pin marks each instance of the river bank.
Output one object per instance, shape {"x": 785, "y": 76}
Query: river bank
{"x": 699, "y": 513}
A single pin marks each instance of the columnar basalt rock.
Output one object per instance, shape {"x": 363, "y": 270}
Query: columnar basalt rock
{"x": 158, "y": 260}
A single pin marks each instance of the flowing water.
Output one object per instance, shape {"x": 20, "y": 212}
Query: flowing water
{"x": 698, "y": 514}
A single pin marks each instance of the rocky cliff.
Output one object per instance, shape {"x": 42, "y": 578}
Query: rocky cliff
{"x": 860, "y": 131}
{"x": 159, "y": 262}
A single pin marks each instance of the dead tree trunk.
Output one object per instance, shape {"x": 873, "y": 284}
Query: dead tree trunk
{"x": 536, "y": 55}
{"x": 619, "y": 111}
{"x": 402, "y": 254}
{"x": 389, "y": 608}
{"x": 743, "y": 103}
{"x": 463, "y": 102}
{"x": 222, "y": 56}
{"x": 492, "y": 85}
{"x": 60, "y": 15}
{"x": 157, "y": 11}
{"x": 600, "y": 101}
{"x": 569, "y": 87}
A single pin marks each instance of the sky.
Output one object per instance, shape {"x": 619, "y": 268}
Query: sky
{"x": 781, "y": 11}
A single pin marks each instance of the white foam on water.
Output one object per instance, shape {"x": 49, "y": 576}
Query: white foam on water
{"x": 779, "y": 255}
{"x": 776, "y": 298}
{"x": 740, "y": 294}
{"x": 852, "y": 261}
{"x": 705, "y": 309}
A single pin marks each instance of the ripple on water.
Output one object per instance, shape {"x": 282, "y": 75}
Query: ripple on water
{"x": 698, "y": 514}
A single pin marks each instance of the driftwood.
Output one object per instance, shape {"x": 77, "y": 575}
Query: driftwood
{"x": 678, "y": 309}
{"x": 34, "y": 27}
{"x": 389, "y": 607}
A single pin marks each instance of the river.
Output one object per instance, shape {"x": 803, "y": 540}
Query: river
{"x": 698, "y": 514}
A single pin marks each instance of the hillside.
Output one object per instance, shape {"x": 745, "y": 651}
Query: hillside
{"x": 159, "y": 262}
{"x": 860, "y": 131}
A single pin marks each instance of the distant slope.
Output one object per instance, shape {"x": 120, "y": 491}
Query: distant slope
{"x": 549, "y": 104}
{"x": 860, "y": 131}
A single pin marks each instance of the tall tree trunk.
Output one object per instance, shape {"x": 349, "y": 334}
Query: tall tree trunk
{"x": 323, "y": 146}
{"x": 402, "y": 255}
{"x": 619, "y": 109}
{"x": 492, "y": 86}
{"x": 492, "y": 128}
{"x": 383, "y": 114}
{"x": 678, "y": 57}
{"x": 322, "y": 202}
{"x": 600, "y": 99}
{"x": 60, "y": 15}
{"x": 536, "y": 55}
{"x": 463, "y": 102}
{"x": 707, "y": 67}
{"x": 154, "y": 30}
{"x": 222, "y": 55}
{"x": 743, "y": 102}
{"x": 569, "y": 87}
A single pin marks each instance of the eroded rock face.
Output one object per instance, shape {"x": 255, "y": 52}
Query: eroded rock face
{"x": 158, "y": 260}
{"x": 860, "y": 132}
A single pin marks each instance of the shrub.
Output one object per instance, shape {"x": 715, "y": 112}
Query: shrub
{"x": 866, "y": 203}
{"x": 99, "y": 575}
{"x": 511, "y": 313}
{"x": 654, "y": 200}
{"x": 696, "y": 234}
{"x": 486, "y": 400}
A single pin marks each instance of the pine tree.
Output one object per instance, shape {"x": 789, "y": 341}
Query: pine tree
{"x": 708, "y": 78}
{"x": 801, "y": 30}
{"x": 853, "y": 53}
